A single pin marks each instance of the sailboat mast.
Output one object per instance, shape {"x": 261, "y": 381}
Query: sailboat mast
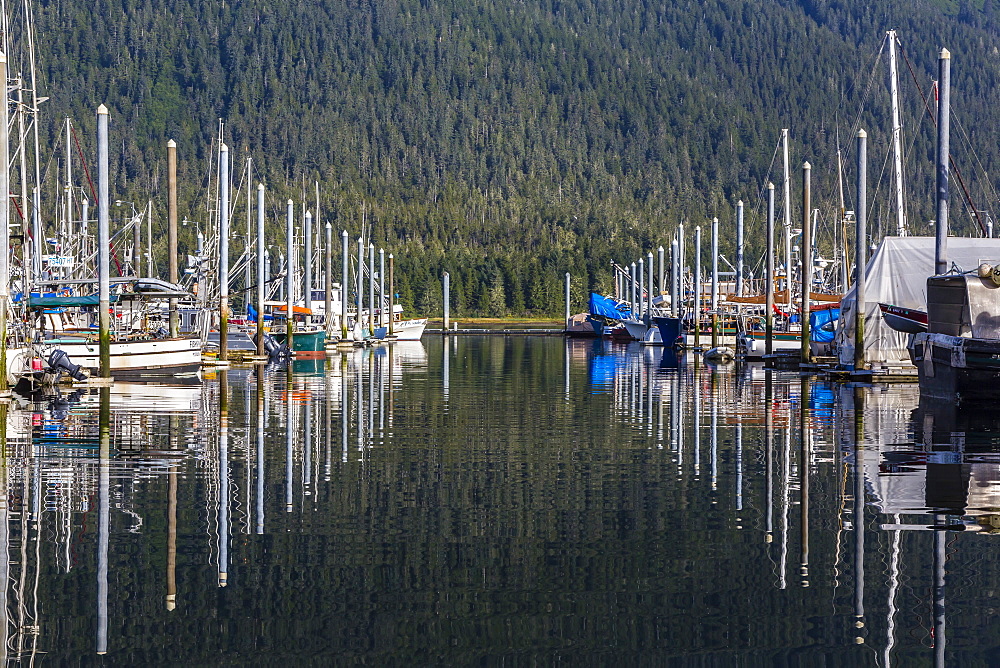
{"x": 26, "y": 276}
{"x": 897, "y": 132}
{"x": 786, "y": 186}
{"x": 36, "y": 216}
{"x": 842, "y": 246}
{"x": 69, "y": 184}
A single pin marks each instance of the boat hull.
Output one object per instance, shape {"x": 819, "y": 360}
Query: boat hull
{"x": 156, "y": 357}
{"x": 954, "y": 368}
{"x": 407, "y": 330}
{"x": 304, "y": 341}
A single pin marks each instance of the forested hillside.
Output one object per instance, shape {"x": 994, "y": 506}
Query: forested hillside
{"x": 508, "y": 142}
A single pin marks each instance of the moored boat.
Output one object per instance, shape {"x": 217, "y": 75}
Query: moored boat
{"x": 958, "y": 357}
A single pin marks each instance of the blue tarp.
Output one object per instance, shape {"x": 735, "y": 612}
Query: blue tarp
{"x": 252, "y": 314}
{"x": 823, "y": 325}
{"x": 608, "y": 307}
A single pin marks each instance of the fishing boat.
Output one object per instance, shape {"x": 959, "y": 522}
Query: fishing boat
{"x": 402, "y": 330}
{"x": 309, "y": 334}
{"x": 958, "y": 357}
{"x": 578, "y": 327}
{"x": 138, "y": 346}
{"x": 607, "y": 316}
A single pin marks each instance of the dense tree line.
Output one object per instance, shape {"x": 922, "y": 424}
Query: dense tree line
{"x": 510, "y": 142}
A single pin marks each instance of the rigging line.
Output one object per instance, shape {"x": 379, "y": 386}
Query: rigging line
{"x": 878, "y": 186}
{"x": 86, "y": 169}
{"x": 868, "y": 90}
{"x": 874, "y": 59}
{"x": 760, "y": 202}
{"x": 975, "y": 155}
{"x": 93, "y": 192}
{"x": 951, "y": 159}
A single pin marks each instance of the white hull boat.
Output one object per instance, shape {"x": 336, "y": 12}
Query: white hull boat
{"x": 405, "y": 330}
{"x": 154, "y": 357}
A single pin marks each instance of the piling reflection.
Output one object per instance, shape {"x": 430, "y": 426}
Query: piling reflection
{"x": 497, "y": 497}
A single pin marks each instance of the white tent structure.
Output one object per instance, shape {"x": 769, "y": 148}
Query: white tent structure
{"x": 897, "y": 274}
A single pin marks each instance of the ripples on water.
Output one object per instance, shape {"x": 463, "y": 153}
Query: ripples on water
{"x": 500, "y": 499}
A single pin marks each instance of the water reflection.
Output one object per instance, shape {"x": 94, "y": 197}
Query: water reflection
{"x": 473, "y": 499}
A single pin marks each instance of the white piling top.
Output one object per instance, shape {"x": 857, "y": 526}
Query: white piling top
{"x": 945, "y": 53}
{"x": 862, "y": 134}
{"x": 101, "y": 109}
{"x": 171, "y": 143}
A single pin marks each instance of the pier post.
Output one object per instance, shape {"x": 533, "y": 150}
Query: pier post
{"x": 740, "y": 242}
{"x": 307, "y": 279}
{"x": 447, "y": 299}
{"x": 769, "y": 275}
{"x": 328, "y": 279}
{"x": 675, "y": 272}
{"x": 806, "y": 256}
{"x": 641, "y": 275}
{"x": 392, "y": 298}
{"x": 681, "y": 241}
{"x": 371, "y": 289}
{"x": 660, "y": 284}
{"x": 103, "y": 240}
{"x": 860, "y": 252}
{"x": 381, "y": 287}
{"x": 290, "y": 274}
{"x": 943, "y": 140}
{"x": 567, "y": 301}
{"x": 715, "y": 282}
{"x": 223, "y": 253}
{"x": 171, "y": 231}
{"x": 697, "y": 287}
{"x": 631, "y": 289}
{"x": 649, "y": 288}
{"x": 345, "y": 260}
{"x": 673, "y": 279}
{"x": 261, "y": 349}
{"x": 360, "y": 280}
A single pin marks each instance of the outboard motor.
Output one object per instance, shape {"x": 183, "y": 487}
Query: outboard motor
{"x": 59, "y": 361}
{"x": 273, "y": 348}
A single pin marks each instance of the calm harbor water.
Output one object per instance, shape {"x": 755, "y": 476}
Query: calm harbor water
{"x": 500, "y": 500}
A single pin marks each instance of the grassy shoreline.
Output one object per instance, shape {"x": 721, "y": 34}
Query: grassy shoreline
{"x": 498, "y": 323}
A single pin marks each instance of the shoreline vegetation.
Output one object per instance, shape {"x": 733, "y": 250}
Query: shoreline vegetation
{"x": 498, "y": 323}
{"x": 508, "y": 143}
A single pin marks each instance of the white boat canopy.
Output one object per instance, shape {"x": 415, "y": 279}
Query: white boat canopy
{"x": 897, "y": 274}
